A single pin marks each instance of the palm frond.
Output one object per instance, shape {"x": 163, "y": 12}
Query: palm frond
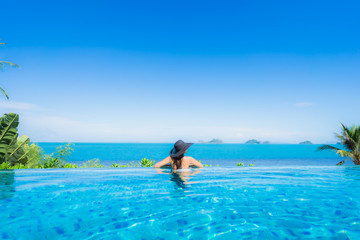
{"x": 4, "y": 64}
{"x": 350, "y": 140}
{"x": 344, "y": 153}
{"x": 340, "y": 163}
{"x": 3, "y": 91}
{"x": 328, "y": 147}
{"x": 340, "y": 137}
{"x": 349, "y": 144}
{"x": 348, "y": 134}
{"x": 356, "y": 136}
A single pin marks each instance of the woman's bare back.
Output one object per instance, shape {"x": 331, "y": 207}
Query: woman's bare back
{"x": 186, "y": 162}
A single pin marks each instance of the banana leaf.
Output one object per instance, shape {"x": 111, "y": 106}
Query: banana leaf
{"x": 15, "y": 150}
{"x": 28, "y": 155}
{"x": 8, "y": 134}
{"x": 17, "y": 153}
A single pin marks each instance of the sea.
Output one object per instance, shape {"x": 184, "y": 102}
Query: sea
{"x": 221, "y": 155}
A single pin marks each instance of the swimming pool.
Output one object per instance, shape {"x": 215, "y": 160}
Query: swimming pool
{"x": 222, "y": 203}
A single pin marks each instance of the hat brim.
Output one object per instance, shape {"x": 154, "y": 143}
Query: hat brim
{"x": 179, "y": 153}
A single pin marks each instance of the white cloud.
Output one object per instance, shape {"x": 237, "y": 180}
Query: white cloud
{"x": 10, "y": 105}
{"x": 43, "y": 127}
{"x": 304, "y": 104}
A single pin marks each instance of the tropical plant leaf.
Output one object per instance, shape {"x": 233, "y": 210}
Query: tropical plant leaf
{"x": 327, "y": 147}
{"x": 344, "y": 153}
{"x": 13, "y": 150}
{"x": 350, "y": 140}
{"x": 17, "y": 152}
{"x": 34, "y": 155}
{"x": 29, "y": 156}
{"x": 4, "y": 92}
{"x": 340, "y": 137}
{"x": 4, "y": 64}
{"x": 8, "y": 133}
{"x": 351, "y": 137}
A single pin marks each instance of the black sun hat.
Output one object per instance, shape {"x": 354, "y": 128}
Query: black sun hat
{"x": 179, "y": 148}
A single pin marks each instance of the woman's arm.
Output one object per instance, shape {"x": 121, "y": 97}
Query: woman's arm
{"x": 162, "y": 163}
{"x": 195, "y": 163}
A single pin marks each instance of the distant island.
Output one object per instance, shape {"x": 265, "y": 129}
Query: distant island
{"x": 252, "y": 141}
{"x": 213, "y": 141}
{"x": 266, "y": 142}
{"x": 306, "y": 142}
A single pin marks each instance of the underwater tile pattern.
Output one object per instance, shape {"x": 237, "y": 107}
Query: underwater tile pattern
{"x": 142, "y": 203}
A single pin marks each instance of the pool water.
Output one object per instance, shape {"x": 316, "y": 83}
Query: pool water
{"x": 223, "y": 203}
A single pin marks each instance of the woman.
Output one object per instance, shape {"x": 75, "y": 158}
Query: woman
{"x": 177, "y": 159}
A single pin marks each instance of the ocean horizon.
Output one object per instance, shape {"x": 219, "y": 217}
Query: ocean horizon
{"x": 224, "y": 155}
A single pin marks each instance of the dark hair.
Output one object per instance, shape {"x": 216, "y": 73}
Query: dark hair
{"x": 177, "y": 161}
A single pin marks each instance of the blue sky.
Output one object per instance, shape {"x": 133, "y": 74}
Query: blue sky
{"x": 156, "y": 71}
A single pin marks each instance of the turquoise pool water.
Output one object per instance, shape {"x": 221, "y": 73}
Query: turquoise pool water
{"x": 315, "y": 202}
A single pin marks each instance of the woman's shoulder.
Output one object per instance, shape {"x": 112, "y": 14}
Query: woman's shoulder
{"x": 188, "y": 158}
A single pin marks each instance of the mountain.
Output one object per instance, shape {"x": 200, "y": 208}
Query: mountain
{"x": 214, "y": 141}
{"x": 253, "y": 141}
{"x": 306, "y": 142}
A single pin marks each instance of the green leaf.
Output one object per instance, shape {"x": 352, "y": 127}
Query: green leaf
{"x": 8, "y": 133}
{"x": 18, "y": 149}
{"x": 350, "y": 140}
{"x": 327, "y": 147}
{"x": 3, "y": 91}
{"x": 4, "y": 64}
{"x": 13, "y": 150}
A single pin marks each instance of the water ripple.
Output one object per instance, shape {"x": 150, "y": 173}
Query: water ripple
{"x": 221, "y": 203}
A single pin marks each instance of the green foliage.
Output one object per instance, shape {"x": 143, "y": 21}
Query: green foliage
{"x": 16, "y": 150}
{"x": 49, "y": 161}
{"x": 4, "y": 64}
{"x": 133, "y": 164}
{"x": 146, "y": 162}
{"x": 240, "y": 164}
{"x": 130, "y": 164}
{"x": 70, "y": 165}
{"x": 205, "y": 165}
{"x": 64, "y": 152}
{"x": 7, "y": 165}
{"x": 24, "y": 153}
{"x": 350, "y": 140}
{"x": 8, "y": 134}
{"x": 93, "y": 163}
{"x": 58, "y": 158}
{"x": 115, "y": 165}
{"x": 143, "y": 163}
{"x": 4, "y": 92}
